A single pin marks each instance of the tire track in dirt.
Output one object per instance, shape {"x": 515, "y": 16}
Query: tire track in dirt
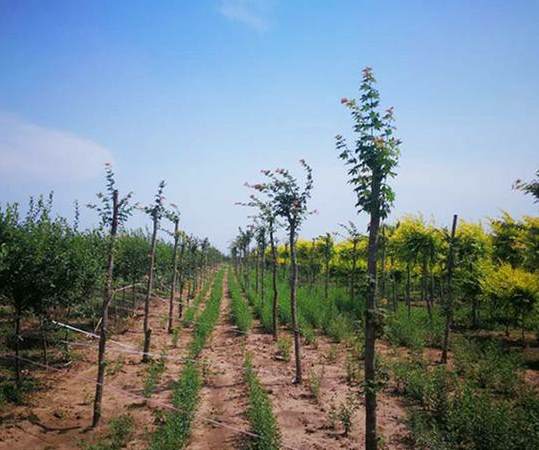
{"x": 65, "y": 403}
{"x": 224, "y": 395}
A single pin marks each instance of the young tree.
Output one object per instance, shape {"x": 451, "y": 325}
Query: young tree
{"x": 174, "y": 216}
{"x": 352, "y": 254}
{"x": 327, "y": 248}
{"x": 184, "y": 239}
{"x": 261, "y": 244}
{"x": 472, "y": 256}
{"x": 155, "y": 211}
{"x": 371, "y": 162}
{"x": 448, "y": 306}
{"x": 114, "y": 212}
{"x": 290, "y": 202}
{"x": 268, "y": 218}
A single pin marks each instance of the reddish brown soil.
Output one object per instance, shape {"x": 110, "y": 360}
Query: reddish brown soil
{"x": 224, "y": 394}
{"x": 59, "y": 415}
{"x": 304, "y": 422}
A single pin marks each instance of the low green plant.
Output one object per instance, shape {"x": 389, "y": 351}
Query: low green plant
{"x": 451, "y": 411}
{"x": 120, "y": 431}
{"x": 241, "y": 313}
{"x": 488, "y": 365}
{"x": 346, "y": 412}
{"x": 208, "y": 318}
{"x": 315, "y": 380}
{"x": 173, "y": 434}
{"x": 175, "y": 336}
{"x": 284, "y": 347}
{"x": 116, "y": 366}
{"x": 332, "y": 353}
{"x": 309, "y": 334}
{"x": 259, "y": 412}
{"x": 154, "y": 372}
{"x": 353, "y": 370}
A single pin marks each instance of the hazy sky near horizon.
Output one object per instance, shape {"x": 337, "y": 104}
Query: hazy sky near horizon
{"x": 206, "y": 93}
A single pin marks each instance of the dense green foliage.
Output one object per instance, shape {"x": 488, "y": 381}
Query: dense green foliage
{"x": 483, "y": 405}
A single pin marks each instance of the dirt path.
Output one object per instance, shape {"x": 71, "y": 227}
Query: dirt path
{"x": 305, "y": 422}
{"x": 224, "y": 396}
{"x": 57, "y": 417}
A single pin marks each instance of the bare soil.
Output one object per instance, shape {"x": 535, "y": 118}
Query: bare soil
{"x": 58, "y": 415}
{"x": 305, "y": 421}
{"x": 224, "y": 395}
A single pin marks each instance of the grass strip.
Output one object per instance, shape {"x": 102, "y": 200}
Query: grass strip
{"x": 260, "y": 413}
{"x": 241, "y": 313}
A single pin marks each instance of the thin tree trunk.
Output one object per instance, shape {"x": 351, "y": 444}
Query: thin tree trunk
{"x": 147, "y": 330}
{"x": 326, "y": 281}
{"x": 449, "y": 296}
{"x": 174, "y": 275}
{"x": 18, "y": 379}
{"x": 383, "y": 265}
{"x": 293, "y": 303}
{"x": 424, "y": 290}
{"x": 371, "y": 442}
{"x": 257, "y": 264}
{"x": 44, "y": 342}
{"x": 408, "y": 299}
{"x": 275, "y": 308}
{"x": 353, "y": 275}
{"x": 262, "y": 272}
{"x": 107, "y": 298}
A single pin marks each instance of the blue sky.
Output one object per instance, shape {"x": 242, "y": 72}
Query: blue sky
{"x": 206, "y": 93}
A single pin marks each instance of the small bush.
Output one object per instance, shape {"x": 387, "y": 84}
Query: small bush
{"x": 120, "y": 431}
{"x": 488, "y": 365}
{"x": 175, "y": 336}
{"x": 346, "y": 412}
{"x": 314, "y": 380}
{"x": 332, "y": 353}
{"x": 353, "y": 369}
{"x": 284, "y": 347}
{"x": 153, "y": 375}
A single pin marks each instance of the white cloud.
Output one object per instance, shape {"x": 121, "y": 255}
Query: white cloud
{"x": 252, "y": 13}
{"x": 29, "y": 151}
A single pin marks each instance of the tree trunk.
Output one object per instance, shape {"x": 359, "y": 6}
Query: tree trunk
{"x": 326, "y": 281}
{"x": 262, "y": 272}
{"x": 18, "y": 380}
{"x": 107, "y": 298}
{"x": 274, "y": 285}
{"x": 353, "y": 275}
{"x": 147, "y": 330}
{"x": 293, "y": 303}
{"x": 174, "y": 275}
{"x": 371, "y": 442}
{"x": 43, "y": 341}
{"x": 408, "y": 299}
{"x": 449, "y": 296}
{"x": 257, "y": 265}
{"x": 383, "y": 266}
{"x": 424, "y": 290}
